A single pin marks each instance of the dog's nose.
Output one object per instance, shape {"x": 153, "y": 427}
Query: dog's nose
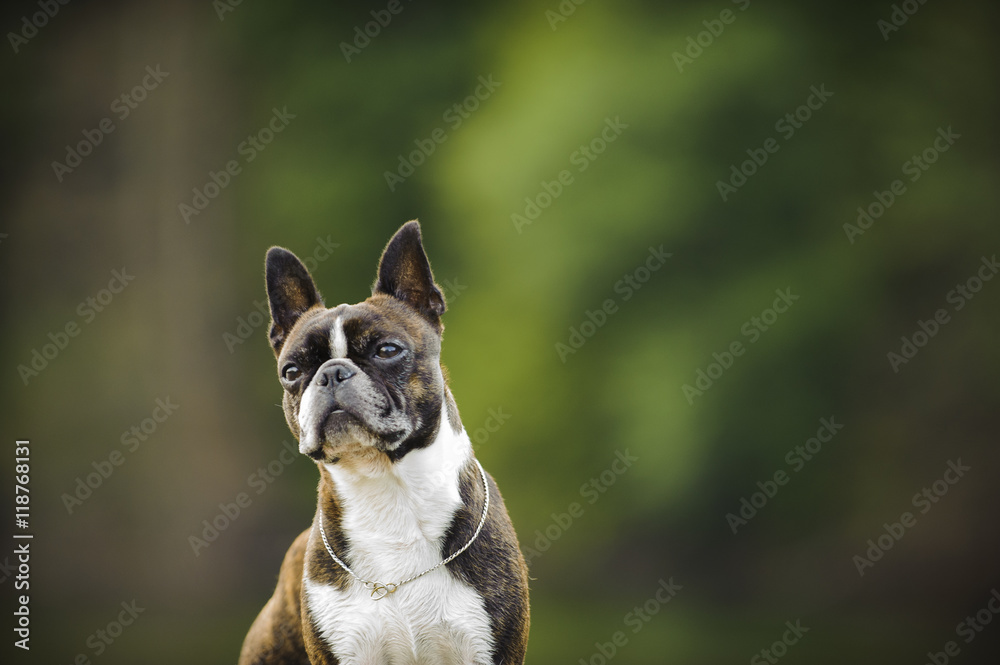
{"x": 334, "y": 374}
{"x": 341, "y": 373}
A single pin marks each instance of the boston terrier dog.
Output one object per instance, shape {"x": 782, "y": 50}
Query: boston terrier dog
{"x": 411, "y": 556}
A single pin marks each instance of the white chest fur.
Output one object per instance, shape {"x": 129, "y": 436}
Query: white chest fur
{"x": 395, "y": 516}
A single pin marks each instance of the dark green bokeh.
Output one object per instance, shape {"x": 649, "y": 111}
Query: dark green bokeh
{"x": 515, "y": 291}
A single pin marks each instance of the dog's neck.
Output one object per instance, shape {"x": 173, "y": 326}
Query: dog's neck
{"x": 386, "y": 504}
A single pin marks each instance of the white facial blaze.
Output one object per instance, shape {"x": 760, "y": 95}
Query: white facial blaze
{"x": 309, "y": 414}
{"x": 309, "y": 411}
{"x": 338, "y": 341}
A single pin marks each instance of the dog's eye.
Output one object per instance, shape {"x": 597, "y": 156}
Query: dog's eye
{"x": 385, "y": 351}
{"x": 290, "y": 373}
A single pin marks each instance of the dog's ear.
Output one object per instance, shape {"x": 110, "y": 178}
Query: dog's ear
{"x": 405, "y": 273}
{"x": 291, "y": 292}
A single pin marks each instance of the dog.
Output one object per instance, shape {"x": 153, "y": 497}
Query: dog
{"x": 411, "y": 556}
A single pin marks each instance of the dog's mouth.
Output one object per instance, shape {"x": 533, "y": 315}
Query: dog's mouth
{"x": 324, "y": 431}
{"x": 340, "y": 432}
{"x": 348, "y": 424}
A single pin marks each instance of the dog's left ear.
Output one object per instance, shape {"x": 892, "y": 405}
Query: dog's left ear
{"x": 405, "y": 273}
{"x": 291, "y": 292}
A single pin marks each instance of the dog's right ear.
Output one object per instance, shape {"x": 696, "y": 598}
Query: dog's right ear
{"x": 291, "y": 292}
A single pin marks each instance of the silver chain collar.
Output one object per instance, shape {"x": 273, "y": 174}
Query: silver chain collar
{"x": 380, "y": 590}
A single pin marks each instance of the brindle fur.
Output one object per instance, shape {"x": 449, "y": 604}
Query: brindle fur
{"x": 283, "y": 633}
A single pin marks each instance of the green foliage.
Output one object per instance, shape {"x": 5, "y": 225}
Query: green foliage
{"x": 529, "y": 261}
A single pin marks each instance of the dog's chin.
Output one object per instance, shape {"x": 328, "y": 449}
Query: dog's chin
{"x": 343, "y": 436}
{"x": 333, "y": 453}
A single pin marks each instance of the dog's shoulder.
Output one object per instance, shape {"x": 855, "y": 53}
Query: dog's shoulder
{"x": 494, "y": 565}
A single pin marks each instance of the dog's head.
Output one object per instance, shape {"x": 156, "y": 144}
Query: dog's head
{"x": 360, "y": 378}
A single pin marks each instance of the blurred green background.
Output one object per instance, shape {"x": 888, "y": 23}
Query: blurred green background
{"x": 184, "y": 328}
